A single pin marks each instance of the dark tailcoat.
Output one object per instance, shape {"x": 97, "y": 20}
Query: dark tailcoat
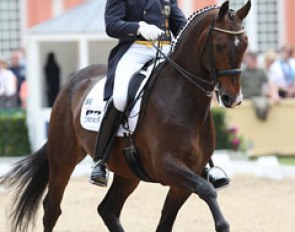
{"x": 122, "y": 19}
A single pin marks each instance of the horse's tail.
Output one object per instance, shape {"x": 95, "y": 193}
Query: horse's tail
{"x": 29, "y": 179}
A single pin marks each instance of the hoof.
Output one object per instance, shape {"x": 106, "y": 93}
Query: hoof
{"x": 223, "y": 227}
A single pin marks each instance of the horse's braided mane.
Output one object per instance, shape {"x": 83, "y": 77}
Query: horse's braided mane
{"x": 191, "y": 19}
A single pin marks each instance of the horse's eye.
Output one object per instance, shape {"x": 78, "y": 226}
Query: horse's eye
{"x": 220, "y": 47}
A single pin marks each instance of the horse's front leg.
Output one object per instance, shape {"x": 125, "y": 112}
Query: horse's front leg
{"x": 179, "y": 175}
{"x": 111, "y": 206}
{"x": 174, "y": 200}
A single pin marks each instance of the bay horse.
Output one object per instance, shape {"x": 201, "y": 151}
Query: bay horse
{"x": 175, "y": 138}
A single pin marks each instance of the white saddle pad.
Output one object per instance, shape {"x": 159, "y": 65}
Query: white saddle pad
{"x": 93, "y": 106}
{"x": 93, "y": 109}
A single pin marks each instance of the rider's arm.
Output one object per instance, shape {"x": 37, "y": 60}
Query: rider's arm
{"x": 116, "y": 26}
{"x": 177, "y": 18}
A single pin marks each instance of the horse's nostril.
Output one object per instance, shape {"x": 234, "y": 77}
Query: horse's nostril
{"x": 227, "y": 100}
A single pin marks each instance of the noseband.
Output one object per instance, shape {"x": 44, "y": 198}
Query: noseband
{"x": 214, "y": 73}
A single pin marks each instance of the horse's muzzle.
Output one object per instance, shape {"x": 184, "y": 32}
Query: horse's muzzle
{"x": 230, "y": 101}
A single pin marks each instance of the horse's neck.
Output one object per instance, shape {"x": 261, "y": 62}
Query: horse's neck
{"x": 189, "y": 51}
{"x": 175, "y": 96}
{"x": 178, "y": 99}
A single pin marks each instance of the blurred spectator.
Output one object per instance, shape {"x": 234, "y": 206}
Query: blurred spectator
{"x": 23, "y": 94}
{"x": 255, "y": 85}
{"x": 254, "y": 80}
{"x": 269, "y": 58}
{"x": 18, "y": 68}
{"x": 52, "y": 73}
{"x": 282, "y": 73}
{"x": 8, "y": 81}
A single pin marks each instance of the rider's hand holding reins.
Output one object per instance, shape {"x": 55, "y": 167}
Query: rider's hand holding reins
{"x": 148, "y": 31}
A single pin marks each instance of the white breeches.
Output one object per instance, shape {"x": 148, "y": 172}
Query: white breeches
{"x": 131, "y": 62}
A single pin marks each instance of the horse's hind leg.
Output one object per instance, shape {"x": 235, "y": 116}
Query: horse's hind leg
{"x": 111, "y": 206}
{"x": 174, "y": 200}
{"x": 62, "y": 161}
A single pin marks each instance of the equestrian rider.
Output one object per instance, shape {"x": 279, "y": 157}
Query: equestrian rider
{"x": 135, "y": 23}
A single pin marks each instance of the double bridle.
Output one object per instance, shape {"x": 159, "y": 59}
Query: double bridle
{"x": 214, "y": 73}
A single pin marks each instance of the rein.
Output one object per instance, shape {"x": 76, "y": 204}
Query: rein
{"x": 191, "y": 77}
{"x": 214, "y": 73}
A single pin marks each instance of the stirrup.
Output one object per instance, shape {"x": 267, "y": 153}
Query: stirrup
{"x": 101, "y": 177}
{"x": 220, "y": 172}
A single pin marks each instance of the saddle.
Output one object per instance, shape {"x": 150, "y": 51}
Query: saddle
{"x": 131, "y": 155}
{"x": 146, "y": 71}
{"x": 93, "y": 106}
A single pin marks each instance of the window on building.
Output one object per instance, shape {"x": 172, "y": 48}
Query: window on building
{"x": 10, "y": 26}
{"x": 236, "y": 4}
{"x": 267, "y": 24}
{"x": 264, "y": 27}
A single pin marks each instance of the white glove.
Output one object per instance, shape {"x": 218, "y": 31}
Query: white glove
{"x": 148, "y": 31}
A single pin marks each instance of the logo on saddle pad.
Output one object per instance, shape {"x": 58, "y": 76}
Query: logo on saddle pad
{"x": 93, "y": 108}
{"x": 93, "y": 116}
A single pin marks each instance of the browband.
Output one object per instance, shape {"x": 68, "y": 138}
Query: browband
{"x": 228, "y": 32}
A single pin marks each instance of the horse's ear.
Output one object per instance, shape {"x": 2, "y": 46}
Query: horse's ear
{"x": 243, "y": 12}
{"x": 223, "y": 10}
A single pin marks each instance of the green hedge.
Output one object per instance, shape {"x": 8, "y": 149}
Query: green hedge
{"x": 226, "y": 137}
{"x": 14, "y": 139}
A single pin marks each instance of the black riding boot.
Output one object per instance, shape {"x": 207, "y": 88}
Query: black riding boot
{"x": 109, "y": 127}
